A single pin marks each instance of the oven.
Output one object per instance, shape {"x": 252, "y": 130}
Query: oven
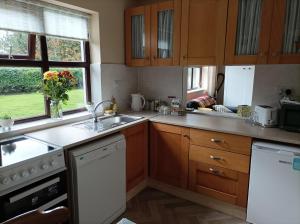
{"x": 32, "y": 176}
{"x": 44, "y": 194}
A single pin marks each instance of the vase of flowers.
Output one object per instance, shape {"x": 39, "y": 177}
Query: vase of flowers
{"x": 55, "y": 87}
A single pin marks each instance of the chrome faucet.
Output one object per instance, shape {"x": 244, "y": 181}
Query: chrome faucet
{"x": 93, "y": 111}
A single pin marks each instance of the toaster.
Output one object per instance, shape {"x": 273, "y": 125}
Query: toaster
{"x": 266, "y": 116}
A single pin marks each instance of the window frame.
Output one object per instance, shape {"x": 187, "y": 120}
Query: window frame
{"x": 31, "y": 50}
{"x": 45, "y": 64}
{"x": 192, "y": 81}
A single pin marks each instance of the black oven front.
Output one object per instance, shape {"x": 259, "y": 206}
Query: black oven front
{"x": 44, "y": 194}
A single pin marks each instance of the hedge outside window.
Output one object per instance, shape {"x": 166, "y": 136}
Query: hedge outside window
{"x": 21, "y": 75}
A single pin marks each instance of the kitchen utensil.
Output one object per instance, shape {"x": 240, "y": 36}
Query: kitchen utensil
{"x": 137, "y": 102}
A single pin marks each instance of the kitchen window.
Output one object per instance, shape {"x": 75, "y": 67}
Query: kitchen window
{"x": 29, "y": 49}
{"x": 194, "y": 81}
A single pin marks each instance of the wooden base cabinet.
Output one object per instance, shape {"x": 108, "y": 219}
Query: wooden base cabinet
{"x": 136, "y": 154}
{"x": 223, "y": 184}
{"x": 169, "y": 146}
{"x": 219, "y": 165}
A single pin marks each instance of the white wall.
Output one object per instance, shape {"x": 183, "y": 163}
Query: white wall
{"x": 161, "y": 82}
{"x": 270, "y": 79}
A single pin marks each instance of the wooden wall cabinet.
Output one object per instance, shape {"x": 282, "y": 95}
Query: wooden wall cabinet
{"x": 203, "y": 32}
{"x": 248, "y": 31}
{"x": 136, "y": 154}
{"x": 152, "y": 34}
{"x": 169, "y": 146}
{"x": 285, "y": 33}
{"x": 137, "y": 36}
{"x": 263, "y": 32}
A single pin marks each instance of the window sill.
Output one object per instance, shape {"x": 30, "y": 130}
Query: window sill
{"x": 21, "y": 129}
{"x": 195, "y": 90}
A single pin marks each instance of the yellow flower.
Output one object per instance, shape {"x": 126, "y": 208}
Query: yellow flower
{"x": 51, "y": 75}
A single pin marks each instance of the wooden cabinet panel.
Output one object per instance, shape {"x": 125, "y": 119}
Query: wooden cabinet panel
{"x": 217, "y": 182}
{"x": 137, "y": 36}
{"x": 285, "y": 41}
{"x": 136, "y": 154}
{"x": 169, "y": 147}
{"x": 218, "y": 140}
{"x": 165, "y": 33}
{"x": 247, "y": 39}
{"x": 220, "y": 158}
{"x": 203, "y": 32}
{"x": 152, "y": 34}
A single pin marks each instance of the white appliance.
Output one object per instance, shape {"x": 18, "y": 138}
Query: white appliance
{"x": 137, "y": 102}
{"x": 98, "y": 179}
{"x": 266, "y": 115}
{"x": 274, "y": 190}
{"x": 32, "y": 176}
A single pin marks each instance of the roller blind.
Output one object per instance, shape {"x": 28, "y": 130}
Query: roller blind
{"x": 39, "y": 17}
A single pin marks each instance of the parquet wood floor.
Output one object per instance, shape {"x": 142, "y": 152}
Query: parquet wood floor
{"x": 155, "y": 207}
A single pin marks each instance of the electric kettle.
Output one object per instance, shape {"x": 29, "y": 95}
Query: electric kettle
{"x": 137, "y": 102}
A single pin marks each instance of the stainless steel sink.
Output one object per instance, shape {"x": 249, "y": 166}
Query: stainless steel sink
{"x": 105, "y": 123}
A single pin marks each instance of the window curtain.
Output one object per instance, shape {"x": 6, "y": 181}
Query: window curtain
{"x": 138, "y": 36}
{"x": 292, "y": 27}
{"x": 165, "y": 34}
{"x": 38, "y": 17}
{"x": 209, "y": 75}
{"x": 249, "y": 20}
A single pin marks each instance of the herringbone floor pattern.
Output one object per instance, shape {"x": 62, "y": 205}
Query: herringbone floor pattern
{"x": 155, "y": 207}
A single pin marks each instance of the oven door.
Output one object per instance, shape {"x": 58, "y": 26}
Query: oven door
{"x": 44, "y": 194}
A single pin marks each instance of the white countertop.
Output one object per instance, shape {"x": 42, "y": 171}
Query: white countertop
{"x": 68, "y": 136}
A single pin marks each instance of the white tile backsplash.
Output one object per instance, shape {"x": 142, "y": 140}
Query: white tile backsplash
{"x": 119, "y": 81}
{"x": 269, "y": 79}
{"x": 160, "y": 82}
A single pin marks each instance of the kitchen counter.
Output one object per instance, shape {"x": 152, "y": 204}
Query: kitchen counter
{"x": 229, "y": 125}
{"x": 68, "y": 136}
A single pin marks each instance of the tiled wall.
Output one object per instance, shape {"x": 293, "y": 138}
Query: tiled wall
{"x": 269, "y": 79}
{"x": 161, "y": 82}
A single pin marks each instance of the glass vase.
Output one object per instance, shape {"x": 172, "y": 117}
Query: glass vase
{"x": 56, "y": 109}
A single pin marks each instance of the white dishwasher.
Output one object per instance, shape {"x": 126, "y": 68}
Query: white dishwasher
{"x": 98, "y": 175}
{"x": 274, "y": 191}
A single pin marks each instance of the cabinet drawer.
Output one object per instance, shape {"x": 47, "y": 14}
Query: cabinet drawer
{"x": 228, "y": 160}
{"x": 223, "y": 184}
{"x": 217, "y": 140}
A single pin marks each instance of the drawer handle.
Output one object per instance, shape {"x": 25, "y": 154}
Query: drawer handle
{"x": 216, "y": 172}
{"x": 186, "y": 136}
{"x": 216, "y": 140}
{"x": 216, "y": 158}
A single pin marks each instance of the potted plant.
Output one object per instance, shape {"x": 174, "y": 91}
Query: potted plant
{"x": 6, "y": 121}
{"x": 55, "y": 87}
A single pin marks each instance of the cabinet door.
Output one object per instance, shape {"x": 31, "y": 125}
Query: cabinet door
{"x": 169, "y": 154}
{"x": 248, "y": 31}
{"x": 136, "y": 154}
{"x": 137, "y": 36}
{"x": 285, "y": 41}
{"x": 165, "y": 33}
{"x": 203, "y": 32}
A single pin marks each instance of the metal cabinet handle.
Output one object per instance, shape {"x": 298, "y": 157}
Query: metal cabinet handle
{"x": 215, "y": 157}
{"x": 216, "y": 172}
{"x": 215, "y": 140}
